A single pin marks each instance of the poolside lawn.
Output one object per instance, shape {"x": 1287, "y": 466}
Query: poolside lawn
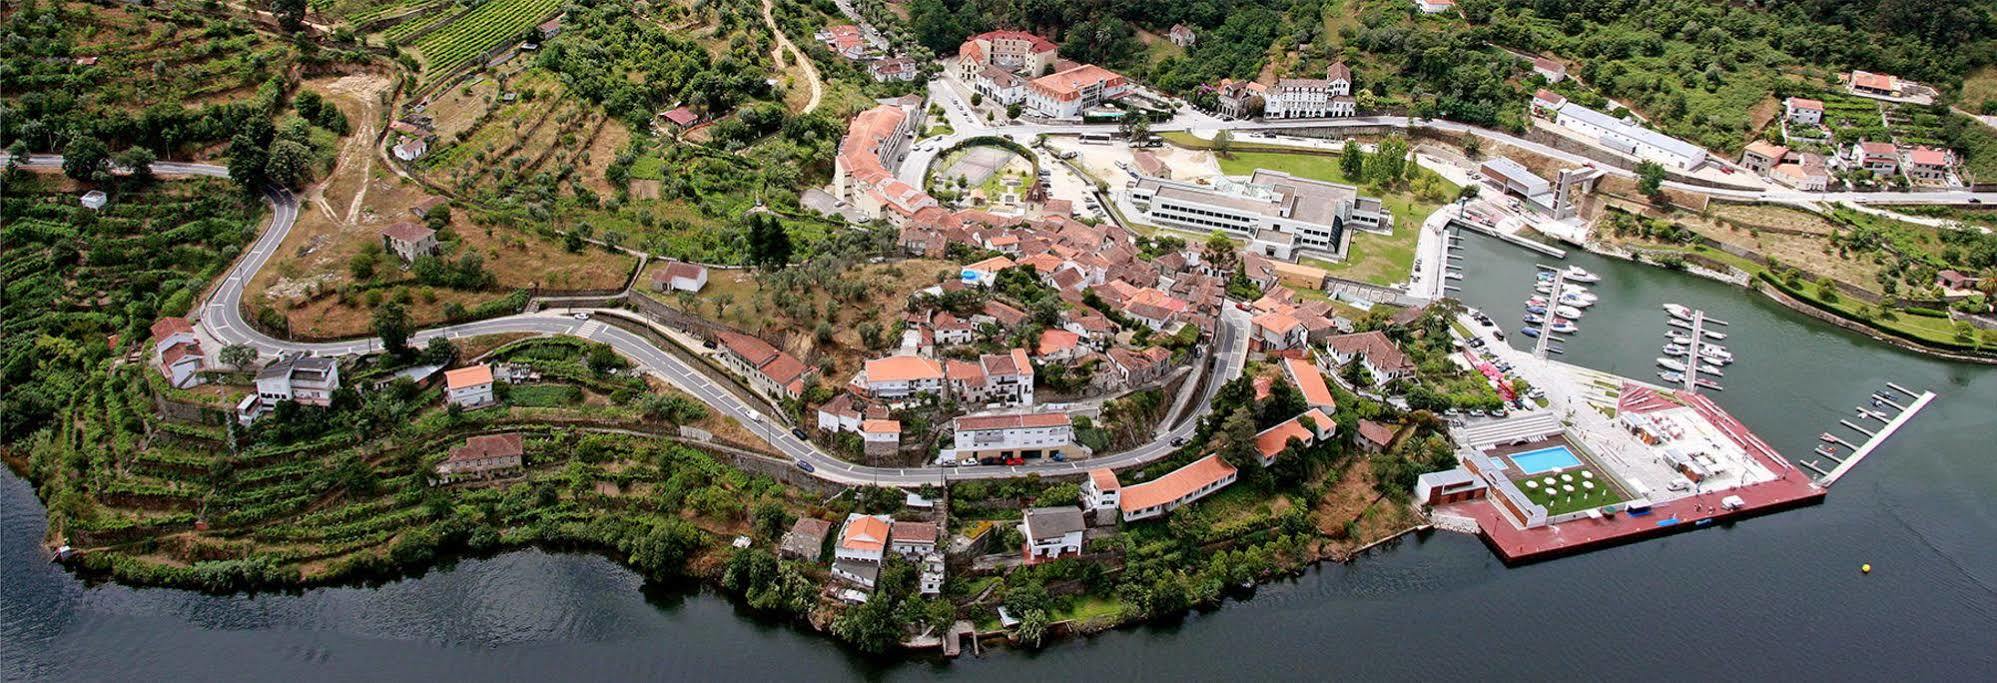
{"x": 1561, "y": 503}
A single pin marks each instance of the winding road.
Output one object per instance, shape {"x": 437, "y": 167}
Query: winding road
{"x": 220, "y": 318}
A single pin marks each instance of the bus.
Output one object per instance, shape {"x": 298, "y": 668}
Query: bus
{"x": 1097, "y": 138}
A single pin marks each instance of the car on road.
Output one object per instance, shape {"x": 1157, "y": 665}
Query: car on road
{"x": 581, "y": 315}
{"x": 799, "y": 433}
{"x": 709, "y": 343}
{"x": 1178, "y": 441}
{"x": 755, "y": 416}
{"x": 804, "y": 466}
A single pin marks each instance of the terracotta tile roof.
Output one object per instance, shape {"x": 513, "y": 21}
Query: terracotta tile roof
{"x": 1309, "y": 382}
{"x": 902, "y": 369}
{"x": 991, "y": 265}
{"x": 1068, "y": 83}
{"x": 752, "y": 350}
{"x": 1805, "y": 103}
{"x": 1037, "y": 43}
{"x": 489, "y": 446}
{"x": 914, "y": 532}
{"x": 468, "y": 377}
{"x": 1862, "y": 79}
{"x": 1928, "y": 156}
{"x": 1375, "y": 346}
{"x": 1053, "y": 341}
{"x": 677, "y": 269}
{"x": 1273, "y": 440}
{"x": 864, "y": 533}
{"x": 1376, "y": 432}
{"x": 1105, "y": 479}
{"x": 1872, "y": 148}
{"x": 964, "y": 371}
{"x": 881, "y": 426}
{"x": 407, "y": 231}
{"x": 165, "y": 327}
{"x": 1176, "y": 484}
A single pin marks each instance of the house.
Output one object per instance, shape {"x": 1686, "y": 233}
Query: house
{"x": 880, "y": 438}
{"x": 845, "y": 412}
{"x": 1552, "y": 71}
{"x": 1375, "y": 437}
{"x": 1058, "y": 345}
{"x": 681, "y": 117}
{"x": 769, "y": 371}
{"x": 1435, "y": 6}
{"x": 1881, "y": 158}
{"x": 1156, "y": 309}
{"x": 309, "y": 380}
{"x": 469, "y": 387}
{"x": 843, "y": 40}
{"x": 422, "y": 208}
{"x": 550, "y": 28}
{"x": 1762, "y": 156}
{"x": 1867, "y": 83}
{"x": 94, "y": 200}
{"x": 178, "y": 352}
{"x": 1277, "y": 331}
{"x": 1182, "y": 35}
{"x": 1373, "y": 351}
{"x": 482, "y": 457}
{"x": 1449, "y": 486}
{"x": 806, "y": 539}
{"x": 1547, "y": 103}
{"x": 863, "y": 542}
{"x": 949, "y": 329}
{"x": 1051, "y": 532}
{"x": 1137, "y": 368}
{"x": 679, "y": 276}
{"x": 1067, "y": 93}
{"x": 899, "y": 378}
{"x": 1196, "y": 480}
{"x": 1310, "y": 383}
{"x": 1803, "y": 111}
{"x": 892, "y": 69}
{"x": 1005, "y": 379}
{"x": 1012, "y": 437}
{"x": 1148, "y": 164}
{"x": 1306, "y": 98}
{"x": 913, "y": 539}
{"x": 1273, "y": 441}
{"x": 984, "y": 273}
{"x": 1928, "y": 164}
{"x": 1000, "y": 86}
{"x": 411, "y": 149}
{"x": 1807, "y": 173}
{"x": 409, "y": 241}
{"x": 1101, "y": 491}
{"x": 1956, "y": 284}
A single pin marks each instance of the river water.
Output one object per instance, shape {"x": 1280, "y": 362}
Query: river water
{"x": 1776, "y": 596}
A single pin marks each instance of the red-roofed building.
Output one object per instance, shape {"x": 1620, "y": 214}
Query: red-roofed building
{"x": 178, "y": 352}
{"x": 1929, "y": 164}
{"x": 1274, "y": 440}
{"x": 1868, "y": 83}
{"x": 483, "y": 457}
{"x": 1552, "y": 71}
{"x": 1803, "y": 111}
{"x": 1310, "y": 383}
{"x": 1374, "y": 351}
{"x": 1066, "y": 94}
{"x": 1277, "y": 331}
{"x": 1012, "y": 51}
{"x": 1136, "y": 368}
{"x": 679, "y": 276}
{"x": 771, "y": 372}
{"x": 1881, "y": 158}
{"x": 409, "y": 240}
{"x": 1176, "y": 488}
{"x": 469, "y": 387}
{"x": 681, "y": 117}
{"x": 1057, "y": 345}
{"x": 1375, "y": 437}
{"x": 1101, "y": 491}
{"x": 863, "y": 171}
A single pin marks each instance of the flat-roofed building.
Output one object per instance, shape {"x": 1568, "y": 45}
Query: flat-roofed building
{"x": 1449, "y": 486}
{"x": 1315, "y": 213}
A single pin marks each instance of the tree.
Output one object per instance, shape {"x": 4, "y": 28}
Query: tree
{"x": 1467, "y": 193}
{"x": 1220, "y": 252}
{"x": 769, "y": 241}
{"x": 1389, "y": 162}
{"x": 1033, "y": 626}
{"x": 138, "y": 161}
{"x": 392, "y": 324}
{"x": 239, "y": 356}
{"x": 247, "y": 159}
{"x": 1473, "y": 145}
{"x": 86, "y": 159}
{"x": 439, "y": 351}
{"x": 289, "y": 163}
{"x": 1223, "y": 144}
{"x": 290, "y": 14}
{"x": 1237, "y": 441}
{"x": 1353, "y": 162}
{"x": 1650, "y": 181}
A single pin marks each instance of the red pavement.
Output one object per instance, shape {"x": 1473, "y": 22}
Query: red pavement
{"x": 1517, "y": 545}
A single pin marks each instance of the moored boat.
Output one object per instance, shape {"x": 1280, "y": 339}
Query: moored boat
{"x": 1672, "y": 377}
{"x": 1679, "y": 312}
{"x": 1670, "y": 364}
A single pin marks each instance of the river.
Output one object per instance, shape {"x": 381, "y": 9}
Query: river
{"x": 1776, "y": 596}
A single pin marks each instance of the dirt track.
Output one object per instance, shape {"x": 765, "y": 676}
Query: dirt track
{"x": 796, "y": 55}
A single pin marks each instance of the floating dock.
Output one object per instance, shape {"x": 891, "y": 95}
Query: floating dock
{"x": 1514, "y": 239}
{"x": 1886, "y": 432}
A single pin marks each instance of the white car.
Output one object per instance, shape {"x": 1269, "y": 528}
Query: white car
{"x": 581, "y": 315}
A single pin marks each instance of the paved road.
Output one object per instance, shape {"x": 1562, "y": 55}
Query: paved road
{"x": 221, "y": 319}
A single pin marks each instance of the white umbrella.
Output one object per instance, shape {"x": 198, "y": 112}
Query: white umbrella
{"x": 1587, "y": 474}
{"x": 1531, "y": 484}
{"x": 1567, "y": 477}
{"x": 1568, "y": 489}
{"x": 1549, "y": 481}
{"x": 1587, "y": 484}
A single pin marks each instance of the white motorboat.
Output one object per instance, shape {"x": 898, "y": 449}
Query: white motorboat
{"x": 1679, "y": 312}
{"x": 1708, "y": 384}
{"x": 1562, "y": 326}
{"x": 1722, "y": 358}
{"x": 1674, "y": 350}
{"x": 1715, "y": 336}
{"x": 1568, "y": 312}
{"x": 1578, "y": 300}
{"x": 1578, "y": 274}
{"x": 1671, "y": 365}
{"x": 1672, "y": 377}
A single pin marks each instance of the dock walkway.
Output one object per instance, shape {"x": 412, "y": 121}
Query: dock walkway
{"x": 1878, "y": 438}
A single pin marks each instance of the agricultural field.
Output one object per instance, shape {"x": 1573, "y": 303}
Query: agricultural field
{"x": 470, "y": 35}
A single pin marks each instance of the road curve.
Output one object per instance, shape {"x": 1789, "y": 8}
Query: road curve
{"x": 221, "y": 318}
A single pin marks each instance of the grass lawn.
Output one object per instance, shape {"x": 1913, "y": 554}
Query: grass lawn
{"x": 543, "y": 395}
{"x": 1372, "y": 258}
{"x": 1560, "y": 503}
{"x": 1092, "y": 607}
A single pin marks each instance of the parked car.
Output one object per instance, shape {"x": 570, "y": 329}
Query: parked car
{"x": 581, "y": 315}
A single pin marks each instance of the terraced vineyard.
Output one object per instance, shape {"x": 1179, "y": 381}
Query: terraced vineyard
{"x": 472, "y": 34}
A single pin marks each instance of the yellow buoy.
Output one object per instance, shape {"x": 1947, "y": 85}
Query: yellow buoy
{"x": 1865, "y": 569}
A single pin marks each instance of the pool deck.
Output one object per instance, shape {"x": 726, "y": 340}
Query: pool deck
{"x": 1515, "y": 545}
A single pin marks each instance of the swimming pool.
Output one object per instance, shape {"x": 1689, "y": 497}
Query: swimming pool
{"x": 1545, "y": 460}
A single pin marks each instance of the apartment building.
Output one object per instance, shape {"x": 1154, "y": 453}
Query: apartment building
{"x": 1033, "y": 435}
{"x": 1066, "y": 94}
{"x": 1312, "y": 98}
{"x": 1280, "y": 212}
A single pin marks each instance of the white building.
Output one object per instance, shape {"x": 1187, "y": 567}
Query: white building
{"x": 1014, "y": 51}
{"x": 863, "y": 542}
{"x": 899, "y": 378}
{"x": 1804, "y": 111}
{"x": 1007, "y": 437}
{"x": 178, "y": 352}
{"x": 1052, "y": 532}
{"x": 1066, "y": 94}
{"x": 469, "y": 387}
{"x": 998, "y": 85}
{"x": 1435, "y": 6}
{"x": 679, "y": 276}
{"x": 1552, "y": 71}
{"x": 1631, "y": 139}
{"x": 1101, "y": 491}
{"x": 1312, "y": 98}
{"x": 1196, "y": 480}
{"x": 1003, "y": 379}
{"x": 1552, "y": 198}
{"x": 1315, "y": 214}
{"x": 913, "y": 540}
{"x": 308, "y": 380}
{"x": 94, "y": 200}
